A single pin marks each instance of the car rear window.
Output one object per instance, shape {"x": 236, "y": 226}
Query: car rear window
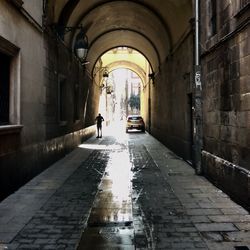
{"x": 135, "y": 118}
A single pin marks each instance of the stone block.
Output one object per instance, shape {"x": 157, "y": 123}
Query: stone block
{"x": 244, "y": 84}
{"x": 235, "y": 102}
{"x": 211, "y": 144}
{"x": 234, "y": 71}
{"x": 212, "y": 131}
{"x": 244, "y": 66}
{"x": 242, "y": 36}
{"x": 225, "y": 133}
{"x": 245, "y": 101}
{"x": 235, "y": 85}
{"x": 242, "y": 119}
{"x": 244, "y": 48}
{"x": 211, "y": 117}
{"x": 242, "y": 137}
{"x": 226, "y": 103}
{"x": 234, "y": 54}
{"x": 210, "y": 103}
{"x": 215, "y": 227}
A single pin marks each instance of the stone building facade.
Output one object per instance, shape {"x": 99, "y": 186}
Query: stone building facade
{"x": 225, "y": 54}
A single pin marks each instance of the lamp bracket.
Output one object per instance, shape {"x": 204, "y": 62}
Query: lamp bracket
{"x": 62, "y": 30}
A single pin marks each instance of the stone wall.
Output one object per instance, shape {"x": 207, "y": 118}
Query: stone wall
{"x": 230, "y": 177}
{"x": 172, "y": 100}
{"x": 226, "y": 99}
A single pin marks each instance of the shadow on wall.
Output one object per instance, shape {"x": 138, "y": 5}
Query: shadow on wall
{"x": 19, "y": 167}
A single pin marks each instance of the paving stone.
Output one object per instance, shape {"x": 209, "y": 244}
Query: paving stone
{"x": 210, "y": 227}
{"x": 199, "y": 218}
{"x": 203, "y": 211}
{"x": 232, "y": 218}
{"x": 172, "y": 207}
{"x": 244, "y": 226}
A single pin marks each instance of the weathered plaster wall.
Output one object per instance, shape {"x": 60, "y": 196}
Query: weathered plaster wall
{"x": 15, "y": 28}
{"x": 62, "y": 65}
{"x": 41, "y": 60}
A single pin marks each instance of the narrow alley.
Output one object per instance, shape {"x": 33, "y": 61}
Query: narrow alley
{"x": 124, "y": 191}
{"x": 177, "y": 71}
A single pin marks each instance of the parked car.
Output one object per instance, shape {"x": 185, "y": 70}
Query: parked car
{"x": 135, "y": 122}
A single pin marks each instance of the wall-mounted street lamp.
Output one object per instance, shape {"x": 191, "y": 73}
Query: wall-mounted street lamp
{"x": 108, "y": 88}
{"x": 152, "y": 76}
{"x": 105, "y": 73}
{"x": 81, "y": 46}
{"x": 81, "y": 41}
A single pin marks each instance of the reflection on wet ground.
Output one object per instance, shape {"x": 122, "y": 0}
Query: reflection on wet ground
{"x": 110, "y": 223}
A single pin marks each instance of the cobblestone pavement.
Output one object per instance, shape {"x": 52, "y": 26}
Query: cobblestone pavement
{"x": 172, "y": 208}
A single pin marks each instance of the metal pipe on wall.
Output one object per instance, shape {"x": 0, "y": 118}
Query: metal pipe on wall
{"x": 197, "y": 129}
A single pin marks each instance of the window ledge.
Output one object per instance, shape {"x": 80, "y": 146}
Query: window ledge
{"x": 10, "y": 129}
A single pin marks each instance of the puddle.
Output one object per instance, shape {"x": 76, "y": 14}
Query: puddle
{"x": 110, "y": 225}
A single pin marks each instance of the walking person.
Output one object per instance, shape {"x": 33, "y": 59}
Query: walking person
{"x": 99, "y": 119}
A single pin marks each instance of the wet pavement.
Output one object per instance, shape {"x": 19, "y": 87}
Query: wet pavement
{"x": 124, "y": 191}
{"x": 110, "y": 225}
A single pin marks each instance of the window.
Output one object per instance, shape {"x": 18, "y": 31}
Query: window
{"x": 4, "y": 88}
{"x": 9, "y": 84}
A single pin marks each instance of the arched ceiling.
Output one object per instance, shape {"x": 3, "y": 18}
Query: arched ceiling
{"x": 151, "y": 27}
{"x": 122, "y": 38}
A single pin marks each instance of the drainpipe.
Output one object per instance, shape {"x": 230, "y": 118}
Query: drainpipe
{"x": 198, "y": 136}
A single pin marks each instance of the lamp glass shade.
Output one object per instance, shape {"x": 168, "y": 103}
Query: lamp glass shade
{"x": 81, "y": 53}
